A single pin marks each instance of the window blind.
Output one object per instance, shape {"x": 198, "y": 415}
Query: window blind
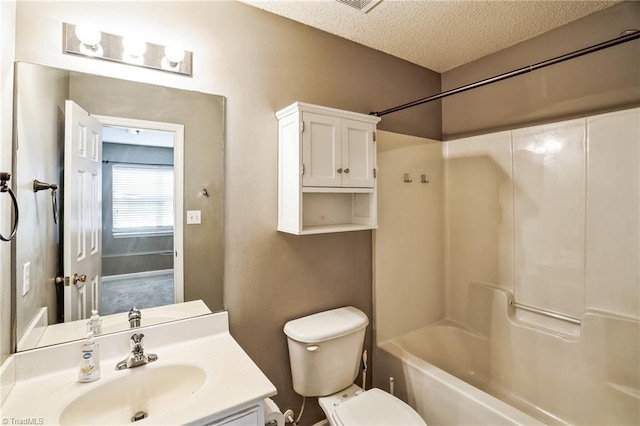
{"x": 142, "y": 199}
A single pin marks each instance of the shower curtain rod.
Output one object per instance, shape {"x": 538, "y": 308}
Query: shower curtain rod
{"x": 626, "y": 36}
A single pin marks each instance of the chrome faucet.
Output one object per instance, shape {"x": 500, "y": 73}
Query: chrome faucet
{"x": 135, "y": 316}
{"x": 137, "y": 357}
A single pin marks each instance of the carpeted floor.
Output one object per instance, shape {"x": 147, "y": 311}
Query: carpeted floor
{"x": 121, "y": 294}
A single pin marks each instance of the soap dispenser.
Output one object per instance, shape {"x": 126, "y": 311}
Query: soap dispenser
{"x": 90, "y": 361}
{"x": 94, "y": 324}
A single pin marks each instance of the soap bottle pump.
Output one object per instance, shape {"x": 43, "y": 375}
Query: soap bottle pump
{"x": 94, "y": 324}
{"x": 90, "y": 361}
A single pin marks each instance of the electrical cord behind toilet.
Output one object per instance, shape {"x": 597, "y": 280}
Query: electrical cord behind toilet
{"x": 364, "y": 370}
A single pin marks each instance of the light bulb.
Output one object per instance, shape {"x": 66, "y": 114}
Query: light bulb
{"x": 174, "y": 54}
{"x": 88, "y": 35}
{"x": 134, "y": 47}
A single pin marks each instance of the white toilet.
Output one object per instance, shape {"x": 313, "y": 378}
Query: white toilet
{"x": 325, "y": 355}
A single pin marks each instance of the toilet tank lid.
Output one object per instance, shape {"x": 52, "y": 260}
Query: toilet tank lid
{"x": 326, "y": 325}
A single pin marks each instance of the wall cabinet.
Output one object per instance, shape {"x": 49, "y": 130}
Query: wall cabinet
{"x": 326, "y": 170}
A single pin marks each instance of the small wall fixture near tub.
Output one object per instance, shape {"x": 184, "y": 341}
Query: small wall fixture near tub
{"x": 326, "y": 170}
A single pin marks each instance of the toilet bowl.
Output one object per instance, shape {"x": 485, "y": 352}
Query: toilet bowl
{"x": 324, "y": 353}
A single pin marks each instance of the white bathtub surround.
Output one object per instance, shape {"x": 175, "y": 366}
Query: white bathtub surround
{"x": 409, "y": 248}
{"x": 551, "y": 213}
{"x": 548, "y": 217}
{"x": 551, "y": 376}
{"x": 202, "y": 348}
{"x": 549, "y": 203}
{"x": 479, "y": 217}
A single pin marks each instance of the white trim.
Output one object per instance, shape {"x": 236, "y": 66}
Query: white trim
{"x": 317, "y": 109}
{"x": 178, "y": 202}
{"x": 133, "y": 275}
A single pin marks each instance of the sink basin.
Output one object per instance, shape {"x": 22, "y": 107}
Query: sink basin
{"x": 140, "y": 392}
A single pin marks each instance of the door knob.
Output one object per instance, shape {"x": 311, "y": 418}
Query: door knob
{"x": 346, "y": 170}
{"x": 339, "y": 170}
{"x": 71, "y": 280}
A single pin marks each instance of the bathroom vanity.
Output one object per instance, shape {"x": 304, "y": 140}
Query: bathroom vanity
{"x": 201, "y": 377}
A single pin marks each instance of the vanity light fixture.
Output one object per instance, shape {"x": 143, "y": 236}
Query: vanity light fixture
{"x": 133, "y": 50}
{"x": 88, "y": 41}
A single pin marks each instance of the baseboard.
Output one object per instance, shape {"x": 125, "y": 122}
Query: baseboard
{"x": 144, "y": 274}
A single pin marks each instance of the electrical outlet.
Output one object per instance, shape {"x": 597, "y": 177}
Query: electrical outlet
{"x": 193, "y": 217}
{"x": 26, "y": 278}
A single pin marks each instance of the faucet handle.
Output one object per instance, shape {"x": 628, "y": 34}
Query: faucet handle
{"x": 137, "y": 338}
{"x": 136, "y": 342}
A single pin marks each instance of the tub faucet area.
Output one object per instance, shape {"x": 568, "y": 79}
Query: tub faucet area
{"x": 137, "y": 357}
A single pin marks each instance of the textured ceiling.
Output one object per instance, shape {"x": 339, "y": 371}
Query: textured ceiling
{"x": 436, "y": 34}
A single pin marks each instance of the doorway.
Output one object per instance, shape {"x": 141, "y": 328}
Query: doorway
{"x": 138, "y": 219}
{"x": 142, "y": 214}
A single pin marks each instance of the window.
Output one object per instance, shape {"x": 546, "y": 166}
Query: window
{"x": 142, "y": 200}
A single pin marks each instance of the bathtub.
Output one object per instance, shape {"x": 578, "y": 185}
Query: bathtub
{"x": 511, "y": 370}
{"x": 444, "y": 372}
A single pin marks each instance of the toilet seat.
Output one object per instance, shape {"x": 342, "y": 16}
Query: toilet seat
{"x": 375, "y": 408}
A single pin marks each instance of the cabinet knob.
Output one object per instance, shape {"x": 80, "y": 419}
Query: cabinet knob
{"x": 346, "y": 170}
{"x": 339, "y": 170}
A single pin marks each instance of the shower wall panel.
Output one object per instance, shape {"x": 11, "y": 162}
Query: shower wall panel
{"x": 613, "y": 213}
{"x": 479, "y": 213}
{"x": 549, "y": 209}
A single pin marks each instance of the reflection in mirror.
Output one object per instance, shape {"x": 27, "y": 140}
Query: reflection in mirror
{"x": 116, "y": 151}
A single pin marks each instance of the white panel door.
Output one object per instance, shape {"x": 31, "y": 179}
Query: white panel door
{"x": 321, "y": 150}
{"x": 358, "y": 153}
{"x": 82, "y": 212}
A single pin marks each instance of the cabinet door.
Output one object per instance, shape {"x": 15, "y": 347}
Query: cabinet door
{"x": 358, "y": 154}
{"x": 321, "y": 150}
{"x": 249, "y": 417}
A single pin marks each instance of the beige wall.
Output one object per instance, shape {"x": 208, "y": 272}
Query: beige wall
{"x": 39, "y": 156}
{"x": 598, "y": 82}
{"x": 7, "y": 51}
{"x": 260, "y": 63}
{"x": 409, "y": 243}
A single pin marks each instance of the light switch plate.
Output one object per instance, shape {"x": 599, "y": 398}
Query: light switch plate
{"x": 26, "y": 278}
{"x": 193, "y": 217}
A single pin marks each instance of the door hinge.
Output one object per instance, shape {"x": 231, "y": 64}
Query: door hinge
{"x": 303, "y": 169}
{"x": 374, "y": 137}
{"x": 375, "y": 173}
{"x": 302, "y": 126}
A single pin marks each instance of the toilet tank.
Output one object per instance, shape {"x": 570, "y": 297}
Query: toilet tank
{"x": 325, "y": 350}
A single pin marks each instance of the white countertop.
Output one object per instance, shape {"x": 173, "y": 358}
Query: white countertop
{"x": 232, "y": 381}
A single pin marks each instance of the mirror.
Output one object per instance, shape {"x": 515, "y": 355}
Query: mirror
{"x": 127, "y": 112}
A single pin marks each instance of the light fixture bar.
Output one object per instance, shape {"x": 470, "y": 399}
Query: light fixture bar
{"x": 111, "y": 47}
